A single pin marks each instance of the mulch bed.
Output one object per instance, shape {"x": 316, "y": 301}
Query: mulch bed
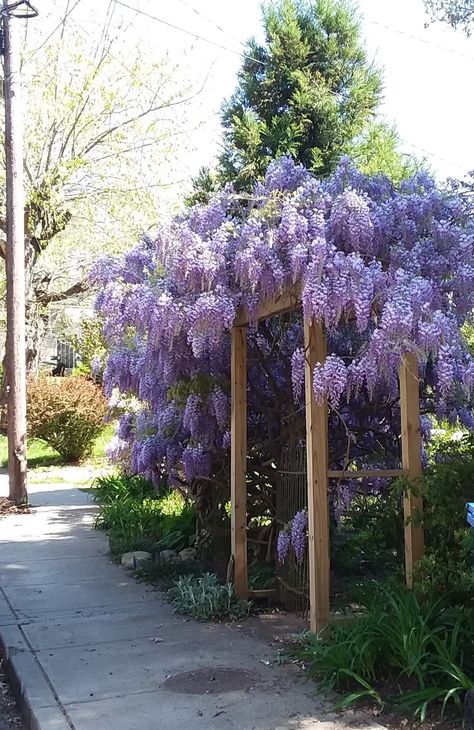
{"x": 7, "y": 507}
{"x": 10, "y": 718}
{"x": 397, "y": 720}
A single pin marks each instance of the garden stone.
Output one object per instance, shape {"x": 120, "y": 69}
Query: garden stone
{"x": 167, "y": 556}
{"x": 469, "y": 711}
{"x": 135, "y": 559}
{"x": 188, "y": 554}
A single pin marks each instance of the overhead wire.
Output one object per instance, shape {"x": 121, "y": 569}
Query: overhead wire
{"x": 237, "y": 53}
{"x": 212, "y": 22}
{"x": 191, "y": 33}
{"x": 421, "y": 40}
{"x": 433, "y": 154}
{"x": 48, "y": 38}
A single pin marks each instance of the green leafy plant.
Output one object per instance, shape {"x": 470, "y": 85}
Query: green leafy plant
{"x": 115, "y": 487}
{"x": 66, "y": 413}
{"x": 418, "y": 646}
{"x": 447, "y": 486}
{"x": 137, "y": 515}
{"x": 205, "y": 598}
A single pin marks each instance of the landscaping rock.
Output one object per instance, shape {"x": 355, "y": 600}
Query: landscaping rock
{"x": 167, "y": 556}
{"x": 188, "y": 554}
{"x": 135, "y": 559}
{"x": 469, "y": 711}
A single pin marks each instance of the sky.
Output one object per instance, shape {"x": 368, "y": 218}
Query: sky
{"x": 428, "y": 71}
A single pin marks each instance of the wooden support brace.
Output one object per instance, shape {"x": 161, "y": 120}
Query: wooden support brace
{"x": 411, "y": 461}
{"x": 366, "y": 473}
{"x": 317, "y": 477}
{"x": 238, "y": 482}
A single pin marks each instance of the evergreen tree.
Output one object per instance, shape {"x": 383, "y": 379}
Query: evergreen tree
{"x": 308, "y": 91}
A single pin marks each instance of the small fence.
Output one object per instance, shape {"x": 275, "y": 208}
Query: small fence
{"x": 291, "y": 496}
{"x": 58, "y": 355}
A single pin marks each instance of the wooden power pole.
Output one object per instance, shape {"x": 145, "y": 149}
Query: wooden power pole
{"x": 15, "y": 262}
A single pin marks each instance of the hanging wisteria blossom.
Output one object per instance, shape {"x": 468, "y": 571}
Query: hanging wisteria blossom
{"x": 294, "y": 538}
{"x": 386, "y": 270}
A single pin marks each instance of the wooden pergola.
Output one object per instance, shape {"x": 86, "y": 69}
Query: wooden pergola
{"x": 317, "y": 460}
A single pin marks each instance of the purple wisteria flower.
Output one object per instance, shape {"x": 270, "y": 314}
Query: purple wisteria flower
{"x": 385, "y": 269}
{"x": 299, "y": 534}
{"x": 283, "y": 545}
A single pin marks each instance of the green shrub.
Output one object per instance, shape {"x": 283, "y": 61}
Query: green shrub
{"x": 89, "y": 343}
{"x": 447, "y": 486}
{"x": 67, "y": 413}
{"x": 205, "y": 598}
{"x": 136, "y": 515}
{"x": 419, "y": 647}
{"x": 116, "y": 487}
{"x": 131, "y": 524}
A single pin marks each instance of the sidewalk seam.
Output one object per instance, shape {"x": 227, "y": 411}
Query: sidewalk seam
{"x": 17, "y": 683}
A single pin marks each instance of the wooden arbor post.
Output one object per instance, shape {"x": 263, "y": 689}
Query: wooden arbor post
{"x": 411, "y": 462}
{"x": 238, "y": 480}
{"x": 317, "y": 461}
{"x": 317, "y": 480}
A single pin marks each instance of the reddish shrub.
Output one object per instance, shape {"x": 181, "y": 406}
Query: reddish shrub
{"x": 67, "y": 413}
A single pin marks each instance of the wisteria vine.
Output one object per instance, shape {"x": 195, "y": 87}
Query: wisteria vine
{"x": 387, "y": 270}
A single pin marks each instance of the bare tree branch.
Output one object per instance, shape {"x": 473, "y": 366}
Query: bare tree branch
{"x": 78, "y": 288}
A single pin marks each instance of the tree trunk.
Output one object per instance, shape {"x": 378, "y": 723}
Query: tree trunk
{"x": 34, "y": 328}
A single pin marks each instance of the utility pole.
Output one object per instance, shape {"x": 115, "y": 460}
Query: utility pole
{"x": 15, "y": 251}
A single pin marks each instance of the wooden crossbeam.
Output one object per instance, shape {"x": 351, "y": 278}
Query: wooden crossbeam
{"x": 366, "y": 473}
{"x": 262, "y": 593}
{"x": 287, "y": 302}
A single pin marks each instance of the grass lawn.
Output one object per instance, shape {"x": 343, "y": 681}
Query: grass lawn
{"x": 40, "y": 454}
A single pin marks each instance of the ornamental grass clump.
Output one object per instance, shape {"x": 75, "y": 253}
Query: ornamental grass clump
{"x": 67, "y": 413}
{"x": 405, "y": 649}
{"x": 137, "y": 515}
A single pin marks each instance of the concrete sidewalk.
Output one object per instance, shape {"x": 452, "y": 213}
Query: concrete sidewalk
{"x": 93, "y": 649}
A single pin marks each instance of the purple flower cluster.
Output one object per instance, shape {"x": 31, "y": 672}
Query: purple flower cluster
{"x": 283, "y": 545}
{"x": 386, "y": 270}
{"x": 294, "y": 537}
{"x": 299, "y": 534}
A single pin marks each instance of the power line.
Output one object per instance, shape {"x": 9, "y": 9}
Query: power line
{"x": 432, "y": 154}
{"x": 212, "y": 22}
{"x": 61, "y": 23}
{"x": 421, "y": 40}
{"x": 189, "y": 32}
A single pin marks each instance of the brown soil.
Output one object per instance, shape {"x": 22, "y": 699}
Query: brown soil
{"x": 10, "y": 718}
{"x": 397, "y": 720}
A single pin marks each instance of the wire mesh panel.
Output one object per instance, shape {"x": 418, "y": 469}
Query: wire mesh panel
{"x": 291, "y": 497}
{"x": 66, "y": 354}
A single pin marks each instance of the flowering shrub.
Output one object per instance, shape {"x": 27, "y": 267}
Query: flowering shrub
{"x": 294, "y": 537}
{"x": 387, "y": 270}
{"x": 66, "y": 413}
